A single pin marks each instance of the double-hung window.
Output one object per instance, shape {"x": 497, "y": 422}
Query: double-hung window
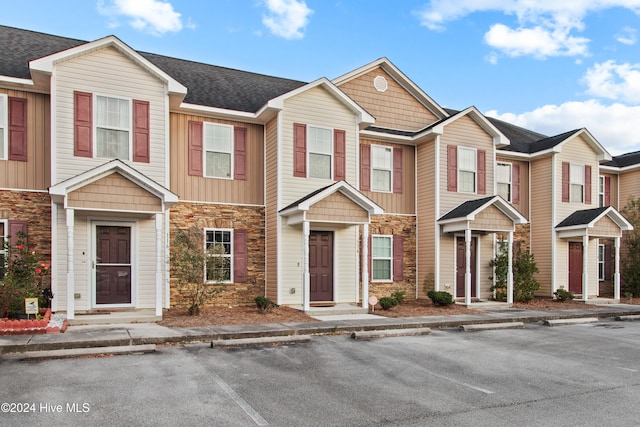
{"x": 382, "y": 257}
{"x": 601, "y": 261}
{"x": 4, "y": 132}
{"x": 467, "y": 170}
{"x": 219, "y": 247}
{"x": 381, "y": 168}
{"x": 601, "y": 191}
{"x": 113, "y": 127}
{"x": 218, "y": 147}
{"x": 320, "y": 141}
{"x": 577, "y": 183}
{"x": 503, "y": 178}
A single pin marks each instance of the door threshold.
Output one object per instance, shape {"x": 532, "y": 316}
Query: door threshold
{"x": 322, "y": 304}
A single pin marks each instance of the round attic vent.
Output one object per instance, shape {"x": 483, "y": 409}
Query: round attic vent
{"x": 380, "y": 83}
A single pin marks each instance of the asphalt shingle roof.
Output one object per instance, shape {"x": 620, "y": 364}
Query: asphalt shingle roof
{"x": 464, "y": 209}
{"x": 624, "y": 160}
{"x": 582, "y": 217}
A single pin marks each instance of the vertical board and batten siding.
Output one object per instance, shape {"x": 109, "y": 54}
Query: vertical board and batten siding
{"x": 394, "y": 108}
{"x": 578, "y": 152}
{"x": 629, "y": 186}
{"x": 613, "y": 191}
{"x": 35, "y": 173}
{"x": 523, "y": 204}
{"x": 315, "y": 107}
{"x": 397, "y": 202}
{"x": 96, "y": 72}
{"x": 425, "y": 212}
{"x": 464, "y": 132}
{"x": 271, "y": 210}
{"x": 541, "y": 220}
{"x": 201, "y": 189}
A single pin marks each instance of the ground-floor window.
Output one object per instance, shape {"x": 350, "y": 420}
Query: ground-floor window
{"x": 601, "y": 262}
{"x": 219, "y": 246}
{"x": 382, "y": 257}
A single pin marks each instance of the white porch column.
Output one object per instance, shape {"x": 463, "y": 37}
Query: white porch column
{"x": 70, "y": 265}
{"x": 467, "y": 272}
{"x": 365, "y": 266}
{"x": 510, "y": 269}
{"x": 306, "y": 281}
{"x": 159, "y": 221}
{"x": 585, "y": 267}
{"x": 616, "y": 274}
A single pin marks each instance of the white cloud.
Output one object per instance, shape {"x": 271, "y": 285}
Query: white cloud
{"x": 492, "y": 58}
{"x": 545, "y": 27}
{"x": 614, "y": 81}
{"x": 614, "y": 126}
{"x": 287, "y": 18}
{"x": 627, "y": 36}
{"x": 156, "y": 17}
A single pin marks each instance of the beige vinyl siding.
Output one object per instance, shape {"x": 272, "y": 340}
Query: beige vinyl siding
{"x": 605, "y": 228}
{"x": 447, "y": 263}
{"x": 346, "y": 265}
{"x": 629, "y": 186}
{"x": 486, "y": 246}
{"x": 398, "y": 203}
{"x": 96, "y": 72}
{"x": 492, "y": 219}
{"x": 271, "y": 211}
{"x": 463, "y": 132}
{"x": 337, "y": 208}
{"x": 542, "y": 221}
{"x": 315, "y": 107}
{"x": 523, "y": 205}
{"x": 291, "y": 265}
{"x": 114, "y": 192}
{"x": 395, "y": 108}
{"x": 35, "y": 173}
{"x": 197, "y": 188}
{"x": 145, "y": 272}
{"x": 426, "y": 207}
{"x": 576, "y": 152}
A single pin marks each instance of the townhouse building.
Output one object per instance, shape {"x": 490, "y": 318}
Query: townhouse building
{"x": 321, "y": 193}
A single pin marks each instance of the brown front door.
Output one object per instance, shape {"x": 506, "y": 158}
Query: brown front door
{"x": 321, "y": 265}
{"x": 575, "y": 267}
{"x": 113, "y": 265}
{"x": 461, "y": 264}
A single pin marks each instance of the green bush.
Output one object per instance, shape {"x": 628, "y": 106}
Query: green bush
{"x": 264, "y": 304}
{"x": 399, "y": 295}
{"x": 440, "y": 297}
{"x": 388, "y": 302}
{"x": 563, "y": 295}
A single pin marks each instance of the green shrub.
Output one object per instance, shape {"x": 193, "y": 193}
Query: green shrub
{"x": 264, "y": 304}
{"x": 388, "y": 302}
{"x": 563, "y": 295}
{"x": 440, "y": 297}
{"x": 399, "y": 295}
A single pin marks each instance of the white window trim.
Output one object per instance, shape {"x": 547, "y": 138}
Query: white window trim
{"x": 230, "y": 256}
{"x": 382, "y": 147}
{"x": 95, "y": 124}
{"x": 601, "y": 191}
{"x": 572, "y": 182}
{"x": 4, "y": 124}
{"x": 475, "y": 172}
{"x": 204, "y": 151}
{"x": 5, "y": 235}
{"x": 390, "y": 258}
{"x": 510, "y": 178}
{"x": 309, "y": 152}
{"x": 601, "y": 261}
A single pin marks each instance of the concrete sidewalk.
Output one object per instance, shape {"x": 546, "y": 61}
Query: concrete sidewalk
{"x": 95, "y": 336}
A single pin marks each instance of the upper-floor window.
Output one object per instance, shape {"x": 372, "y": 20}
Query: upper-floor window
{"x": 381, "y": 257}
{"x": 219, "y": 247}
{"x": 503, "y": 179}
{"x": 601, "y": 198}
{"x": 320, "y": 152}
{"x": 467, "y": 170}
{"x": 577, "y": 183}
{"x": 218, "y": 147}
{"x": 3, "y": 127}
{"x": 381, "y": 168}
{"x": 113, "y": 127}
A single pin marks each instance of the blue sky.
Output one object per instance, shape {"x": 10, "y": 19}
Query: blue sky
{"x": 548, "y": 65}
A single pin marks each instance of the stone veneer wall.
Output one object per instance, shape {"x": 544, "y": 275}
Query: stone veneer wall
{"x": 35, "y": 208}
{"x": 184, "y": 215}
{"x": 403, "y": 225}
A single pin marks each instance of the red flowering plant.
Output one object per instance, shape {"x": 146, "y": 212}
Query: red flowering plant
{"x": 22, "y": 276}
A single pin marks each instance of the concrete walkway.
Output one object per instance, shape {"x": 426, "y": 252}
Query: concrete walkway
{"x": 114, "y": 335}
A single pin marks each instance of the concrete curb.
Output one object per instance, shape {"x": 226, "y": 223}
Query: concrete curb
{"x": 386, "y": 333}
{"x": 563, "y": 322}
{"x": 78, "y": 352}
{"x": 629, "y": 318}
{"x": 260, "y": 342}
{"x": 491, "y": 326}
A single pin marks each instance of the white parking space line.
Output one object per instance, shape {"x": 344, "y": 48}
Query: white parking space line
{"x": 255, "y": 416}
{"x": 472, "y": 387}
{"x": 627, "y": 369}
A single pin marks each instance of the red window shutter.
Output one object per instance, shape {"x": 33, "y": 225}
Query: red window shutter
{"x": 482, "y": 171}
{"x": 300, "y": 150}
{"x": 240, "y": 153}
{"x": 587, "y": 184}
{"x": 15, "y": 228}
{"x": 17, "y": 129}
{"x": 607, "y": 191}
{"x": 240, "y": 256}
{"x": 565, "y": 182}
{"x": 398, "y": 258}
{"x": 365, "y": 167}
{"x": 370, "y": 243}
{"x": 608, "y": 253}
{"x": 340, "y": 155}
{"x": 452, "y": 168}
{"x": 195, "y": 148}
{"x": 397, "y": 170}
{"x": 83, "y": 124}
{"x": 515, "y": 183}
{"x": 141, "y": 144}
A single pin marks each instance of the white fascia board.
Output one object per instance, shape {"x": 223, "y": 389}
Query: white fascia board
{"x": 602, "y": 153}
{"x": 615, "y": 169}
{"x": 15, "y": 81}
{"x": 498, "y": 137}
{"x": 515, "y": 155}
{"x": 221, "y": 113}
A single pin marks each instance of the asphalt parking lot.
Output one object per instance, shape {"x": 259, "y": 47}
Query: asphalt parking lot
{"x": 568, "y": 375}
